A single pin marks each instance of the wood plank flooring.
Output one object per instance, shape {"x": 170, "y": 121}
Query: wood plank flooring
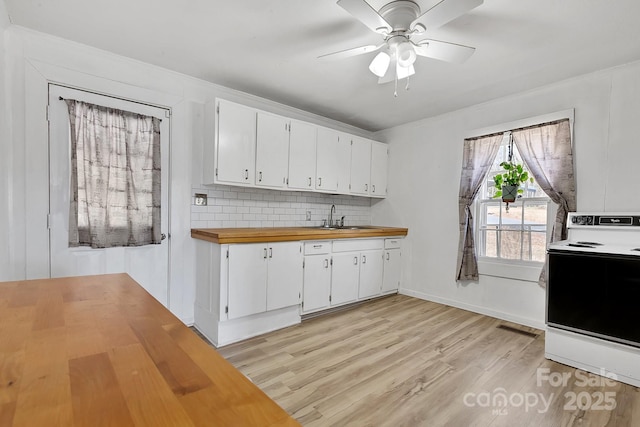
{"x": 401, "y": 361}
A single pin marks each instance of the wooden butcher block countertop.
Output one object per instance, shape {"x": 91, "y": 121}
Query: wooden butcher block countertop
{"x": 100, "y": 350}
{"x": 283, "y": 234}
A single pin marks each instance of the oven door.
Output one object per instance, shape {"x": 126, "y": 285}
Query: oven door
{"x": 595, "y": 294}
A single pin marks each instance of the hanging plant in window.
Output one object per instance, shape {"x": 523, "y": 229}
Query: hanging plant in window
{"x": 508, "y": 183}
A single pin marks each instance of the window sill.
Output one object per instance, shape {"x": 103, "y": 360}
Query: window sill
{"x": 519, "y": 270}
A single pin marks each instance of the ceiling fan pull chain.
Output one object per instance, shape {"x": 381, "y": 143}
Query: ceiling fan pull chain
{"x": 395, "y": 88}
{"x": 407, "y": 86}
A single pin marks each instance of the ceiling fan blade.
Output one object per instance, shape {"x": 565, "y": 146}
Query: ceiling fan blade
{"x": 444, "y": 12}
{"x": 351, "y": 52}
{"x": 362, "y": 11}
{"x": 444, "y": 51}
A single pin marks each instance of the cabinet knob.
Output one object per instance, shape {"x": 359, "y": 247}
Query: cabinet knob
{"x": 364, "y": 259}
{"x": 326, "y": 263}
{"x": 355, "y": 260}
{"x": 246, "y": 174}
{"x": 260, "y": 176}
{"x": 309, "y": 181}
{"x": 366, "y": 187}
{"x": 387, "y": 256}
{"x": 319, "y": 181}
{"x": 265, "y": 253}
{"x": 373, "y": 188}
{"x": 270, "y": 252}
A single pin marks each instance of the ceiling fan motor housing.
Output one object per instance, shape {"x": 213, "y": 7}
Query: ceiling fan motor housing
{"x": 400, "y": 14}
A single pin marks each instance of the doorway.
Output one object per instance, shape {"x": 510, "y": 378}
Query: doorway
{"x": 148, "y": 265}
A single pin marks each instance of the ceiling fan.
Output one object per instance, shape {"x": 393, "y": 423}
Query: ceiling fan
{"x": 400, "y": 22}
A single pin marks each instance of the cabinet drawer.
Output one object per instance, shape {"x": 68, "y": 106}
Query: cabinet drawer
{"x": 350, "y": 245}
{"x": 392, "y": 243}
{"x": 316, "y": 248}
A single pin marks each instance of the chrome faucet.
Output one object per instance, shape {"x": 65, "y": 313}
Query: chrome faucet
{"x": 331, "y": 211}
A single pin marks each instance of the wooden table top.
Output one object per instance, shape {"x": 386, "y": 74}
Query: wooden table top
{"x": 99, "y": 350}
{"x": 283, "y": 234}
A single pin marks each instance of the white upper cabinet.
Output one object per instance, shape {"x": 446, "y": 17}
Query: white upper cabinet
{"x": 326, "y": 166}
{"x": 333, "y": 161}
{"x": 235, "y": 143}
{"x": 302, "y": 155}
{"x": 343, "y": 163}
{"x": 360, "y": 166}
{"x": 272, "y": 150}
{"x": 379, "y": 162}
{"x": 256, "y": 148}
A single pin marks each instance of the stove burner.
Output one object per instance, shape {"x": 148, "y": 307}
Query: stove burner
{"x": 580, "y": 245}
{"x": 590, "y": 243}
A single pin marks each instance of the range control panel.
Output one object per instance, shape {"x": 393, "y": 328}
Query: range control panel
{"x": 603, "y": 220}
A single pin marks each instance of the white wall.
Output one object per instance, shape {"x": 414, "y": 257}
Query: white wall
{"x": 33, "y": 60}
{"x": 5, "y": 150}
{"x": 424, "y": 177}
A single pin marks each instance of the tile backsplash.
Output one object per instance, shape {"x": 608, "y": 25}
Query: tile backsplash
{"x": 229, "y": 206}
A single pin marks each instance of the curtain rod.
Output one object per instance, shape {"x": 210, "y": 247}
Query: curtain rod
{"x": 539, "y": 125}
{"x": 62, "y": 99}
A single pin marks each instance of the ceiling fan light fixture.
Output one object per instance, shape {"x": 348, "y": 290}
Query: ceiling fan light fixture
{"x": 406, "y": 54}
{"x": 380, "y": 64}
{"x": 404, "y": 72}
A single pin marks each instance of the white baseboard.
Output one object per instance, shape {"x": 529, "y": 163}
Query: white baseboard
{"x": 475, "y": 308}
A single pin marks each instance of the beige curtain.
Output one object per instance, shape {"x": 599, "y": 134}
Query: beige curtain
{"x": 477, "y": 159}
{"x": 115, "y": 178}
{"x": 546, "y": 150}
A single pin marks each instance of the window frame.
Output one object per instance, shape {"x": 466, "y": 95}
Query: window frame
{"x": 524, "y": 270}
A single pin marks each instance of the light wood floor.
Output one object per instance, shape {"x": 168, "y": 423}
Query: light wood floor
{"x": 401, "y": 361}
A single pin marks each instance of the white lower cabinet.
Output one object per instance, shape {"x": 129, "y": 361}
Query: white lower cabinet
{"x": 355, "y": 272}
{"x": 263, "y": 277}
{"x": 392, "y": 266}
{"x": 247, "y": 289}
{"x": 345, "y": 272}
{"x": 370, "y": 274}
{"x": 247, "y": 280}
{"x": 316, "y": 288}
{"x": 244, "y": 290}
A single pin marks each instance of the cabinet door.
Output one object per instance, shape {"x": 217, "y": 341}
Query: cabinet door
{"x": 344, "y": 277}
{"x": 343, "y": 163}
{"x": 392, "y": 266}
{"x": 317, "y": 283}
{"x": 371, "y": 267}
{"x": 379, "y": 162}
{"x": 284, "y": 276}
{"x": 247, "y": 279}
{"x": 236, "y": 143}
{"x": 360, "y": 165}
{"x": 272, "y": 150}
{"x": 302, "y": 155}
{"x": 326, "y": 167}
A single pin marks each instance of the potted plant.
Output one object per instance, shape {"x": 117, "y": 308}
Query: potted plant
{"x": 508, "y": 183}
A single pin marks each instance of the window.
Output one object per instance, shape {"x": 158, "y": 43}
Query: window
{"x": 115, "y": 179}
{"x": 519, "y": 234}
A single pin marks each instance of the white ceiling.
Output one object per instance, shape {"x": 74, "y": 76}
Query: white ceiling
{"x": 269, "y": 48}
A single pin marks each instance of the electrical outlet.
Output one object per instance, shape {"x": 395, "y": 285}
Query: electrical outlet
{"x": 308, "y": 215}
{"x": 201, "y": 199}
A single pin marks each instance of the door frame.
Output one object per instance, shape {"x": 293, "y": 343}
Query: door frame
{"x": 164, "y": 113}
{"x": 37, "y": 78}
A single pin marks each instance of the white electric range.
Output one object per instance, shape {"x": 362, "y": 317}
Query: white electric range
{"x": 593, "y": 295}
